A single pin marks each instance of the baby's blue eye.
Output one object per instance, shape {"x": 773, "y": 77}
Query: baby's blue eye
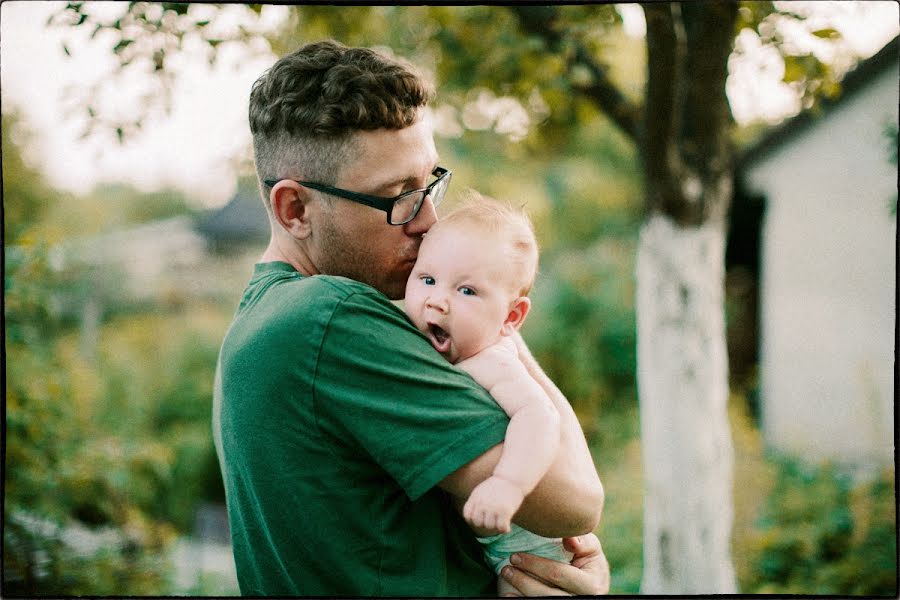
{"x": 427, "y": 280}
{"x": 467, "y": 291}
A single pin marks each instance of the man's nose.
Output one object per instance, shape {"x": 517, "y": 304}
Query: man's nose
{"x": 426, "y": 217}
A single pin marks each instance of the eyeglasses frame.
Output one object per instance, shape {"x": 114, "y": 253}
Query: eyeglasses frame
{"x": 379, "y": 202}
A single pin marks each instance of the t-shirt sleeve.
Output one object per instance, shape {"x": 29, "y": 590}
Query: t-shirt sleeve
{"x": 380, "y": 386}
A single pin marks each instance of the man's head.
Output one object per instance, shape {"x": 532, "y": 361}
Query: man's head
{"x": 470, "y": 284}
{"x": 346, "y": 118}
{"x": 305, "y": 110}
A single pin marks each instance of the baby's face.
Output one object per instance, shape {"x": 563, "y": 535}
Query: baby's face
{"x": 459, "y": 293}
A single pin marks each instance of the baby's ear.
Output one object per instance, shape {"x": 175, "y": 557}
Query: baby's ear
{"x": 516, "y": 316}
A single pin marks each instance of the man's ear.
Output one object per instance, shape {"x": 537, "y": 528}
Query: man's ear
{"x": 289, "y": 202}
{"x": 516, "y": 316}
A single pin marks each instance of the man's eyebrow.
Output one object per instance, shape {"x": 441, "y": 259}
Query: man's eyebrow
{"x": 399, "y": 181}
{"x": 392, "y": 183}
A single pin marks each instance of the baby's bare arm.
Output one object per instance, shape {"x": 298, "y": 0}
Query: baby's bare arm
{"x": 531, "y": 443}
{"x": 569, "y": 499}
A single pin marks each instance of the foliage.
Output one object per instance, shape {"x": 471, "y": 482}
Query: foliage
{"x": 799, "y": 528}
{"x": 25, "y": 195}
{"x": 822, "y": 534}
{"x": 780, "y": 25}
{"x": 468, "y": 49}
{"x": 147, "y": 38}
{"x": 106, "y": 452}
{"x": 166, "y": 403}
{"x": 582, "y": 326}
{"x": 617, "y": 453}
{"x": 60, "y": 469}
{"x": 120, "y": 443}
{"x": 131, "y": 207}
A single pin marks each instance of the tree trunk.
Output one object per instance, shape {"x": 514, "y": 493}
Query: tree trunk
{"x": 682, "y": 356}
{"x": 682, "y": 135}
{"x": 683, "y": 386}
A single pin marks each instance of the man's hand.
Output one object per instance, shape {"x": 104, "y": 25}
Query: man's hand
{"x": 587, "y": 575}
{"x": 492, "y": 504}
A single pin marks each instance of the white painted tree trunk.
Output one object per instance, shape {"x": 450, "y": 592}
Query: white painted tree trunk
{"x": 683, "y": 392}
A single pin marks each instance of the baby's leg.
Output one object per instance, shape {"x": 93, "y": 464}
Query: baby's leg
{"x": 505, "y": 588}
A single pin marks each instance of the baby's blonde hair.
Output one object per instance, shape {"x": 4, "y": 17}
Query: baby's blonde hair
{"x": 505, "y": 222}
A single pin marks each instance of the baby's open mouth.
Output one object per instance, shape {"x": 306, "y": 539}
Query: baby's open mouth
{"x": 440, "y": 339}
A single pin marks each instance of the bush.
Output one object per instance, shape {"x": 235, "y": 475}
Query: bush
{"x": 582, "y": 325}
{"x": 66, "y": 478}
{"x": 821, "y": 533}
{"x": 107, "y": 452}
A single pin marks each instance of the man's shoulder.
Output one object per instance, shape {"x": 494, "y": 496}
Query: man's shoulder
{"x": 324, "y": 290}
{"x": 348, "y": 296}
{"x": 344, "y": 287}
{"x": 308, "y": 303}
{"x": 339, "y": 304}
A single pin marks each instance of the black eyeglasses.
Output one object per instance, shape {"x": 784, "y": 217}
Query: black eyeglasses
{"x": 400, "y": 209}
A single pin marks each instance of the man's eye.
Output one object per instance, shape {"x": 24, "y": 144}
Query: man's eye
{"x": 427, "y": 280}
{"x": 466, "y": 291}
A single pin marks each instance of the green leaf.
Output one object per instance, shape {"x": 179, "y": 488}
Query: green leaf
{"x": 801, "y": 67}
{"x": 123, "y": 43}
{"x": 828, "y": 33}
{"x": 179, "y": 8}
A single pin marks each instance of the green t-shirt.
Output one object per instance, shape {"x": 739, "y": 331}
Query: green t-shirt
{"x": 337, "y": 421}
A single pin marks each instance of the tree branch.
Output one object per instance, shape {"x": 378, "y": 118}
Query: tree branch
{"x": 662, "y": 104}
{"x": 710, "y": 39}
{"x": 539, "y": 21}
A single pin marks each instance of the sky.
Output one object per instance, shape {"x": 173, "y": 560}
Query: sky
{"x": 194, "y": 148}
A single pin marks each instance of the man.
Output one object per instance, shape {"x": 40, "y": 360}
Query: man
{"x": 346, "y": 442}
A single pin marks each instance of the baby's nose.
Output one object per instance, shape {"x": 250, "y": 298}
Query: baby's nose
{"x": 437, "y": 302}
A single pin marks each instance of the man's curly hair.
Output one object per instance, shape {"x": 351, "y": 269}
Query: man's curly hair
{"x": 306, "y": 108}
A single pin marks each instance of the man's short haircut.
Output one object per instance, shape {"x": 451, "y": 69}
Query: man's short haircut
{"x": 305, "y": 109}
{"x": 506, "y": 223}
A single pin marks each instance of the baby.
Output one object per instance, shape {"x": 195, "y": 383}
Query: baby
{"x": 468, "y": 294}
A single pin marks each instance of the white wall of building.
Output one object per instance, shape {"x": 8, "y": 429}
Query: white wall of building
{"x": 827, "y": 285}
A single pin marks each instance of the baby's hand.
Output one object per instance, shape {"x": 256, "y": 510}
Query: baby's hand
{"x": 492, "y": 504}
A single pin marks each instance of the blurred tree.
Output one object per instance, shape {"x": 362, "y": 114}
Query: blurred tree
{"x": 67, "y": 482}
{"x": 26, "y": 201}
{"x": 555, "y": 61}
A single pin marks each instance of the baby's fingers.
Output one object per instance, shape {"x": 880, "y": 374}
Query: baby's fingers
{"x": 483, "y": 519}
{"x": 472, "y": 513}
{"x": 503, "y": 524}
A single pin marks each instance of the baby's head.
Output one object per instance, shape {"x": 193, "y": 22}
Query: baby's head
{"x": 470, "y": 283}
{"x": 505, "y": 229}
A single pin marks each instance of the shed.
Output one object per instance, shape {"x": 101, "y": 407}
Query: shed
{"x": 241, "y": 221}
{"x": 827, "y": 272}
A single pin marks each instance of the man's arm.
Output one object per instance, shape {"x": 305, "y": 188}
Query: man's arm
{"x": 568, "y": 500}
